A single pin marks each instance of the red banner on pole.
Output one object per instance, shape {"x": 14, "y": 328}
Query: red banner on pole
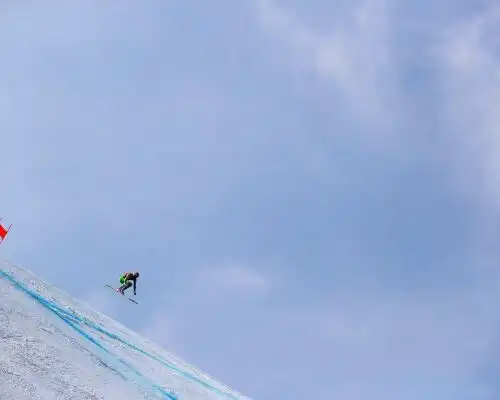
{"x": 3, "y": 231}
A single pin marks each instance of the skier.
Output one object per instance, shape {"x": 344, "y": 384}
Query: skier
{"x": 126, "y": 280}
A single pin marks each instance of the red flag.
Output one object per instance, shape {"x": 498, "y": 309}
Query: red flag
{"x": 3, "y": 232}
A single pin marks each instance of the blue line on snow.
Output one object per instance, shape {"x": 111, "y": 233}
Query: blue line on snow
{"x": 190, "y": 377}
{"x": 171, "y": 366}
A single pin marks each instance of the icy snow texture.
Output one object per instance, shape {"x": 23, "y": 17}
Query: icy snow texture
{"x": 54, "y": 347}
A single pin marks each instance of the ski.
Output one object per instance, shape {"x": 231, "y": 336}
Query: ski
{"x": 116, "y": 291}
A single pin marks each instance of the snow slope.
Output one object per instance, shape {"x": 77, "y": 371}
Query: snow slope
{"x": 54, "y": 347}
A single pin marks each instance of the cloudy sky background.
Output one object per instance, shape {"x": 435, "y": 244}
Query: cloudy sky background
{"x": 311, "y": 190}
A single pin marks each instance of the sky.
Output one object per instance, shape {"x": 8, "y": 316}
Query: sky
{"x": 310, "y": 190}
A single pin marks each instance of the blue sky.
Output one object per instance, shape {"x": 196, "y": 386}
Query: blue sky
{"x": 310, "y": 190}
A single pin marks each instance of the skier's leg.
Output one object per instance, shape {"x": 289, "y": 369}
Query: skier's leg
{"x": 125, "y": 286}
{"x": 122, "y": 281}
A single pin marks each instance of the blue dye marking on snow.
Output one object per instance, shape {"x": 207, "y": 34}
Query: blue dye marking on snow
{"x": 170, "y": 366}
{"x": 72, "y": 320}
{"x": 184, "y": 374}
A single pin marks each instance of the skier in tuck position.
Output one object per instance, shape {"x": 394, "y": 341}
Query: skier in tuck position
{"x": 126, "y": 280}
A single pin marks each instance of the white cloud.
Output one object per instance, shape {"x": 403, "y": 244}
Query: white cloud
{"x": 471, "y": 75}
{"x": 236, "y": 278}
{"x": 206, "y": 287}
{"x": 355, "y": 55}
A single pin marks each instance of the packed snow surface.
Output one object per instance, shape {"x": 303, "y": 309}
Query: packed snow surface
{"x": 54, "y": 347}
